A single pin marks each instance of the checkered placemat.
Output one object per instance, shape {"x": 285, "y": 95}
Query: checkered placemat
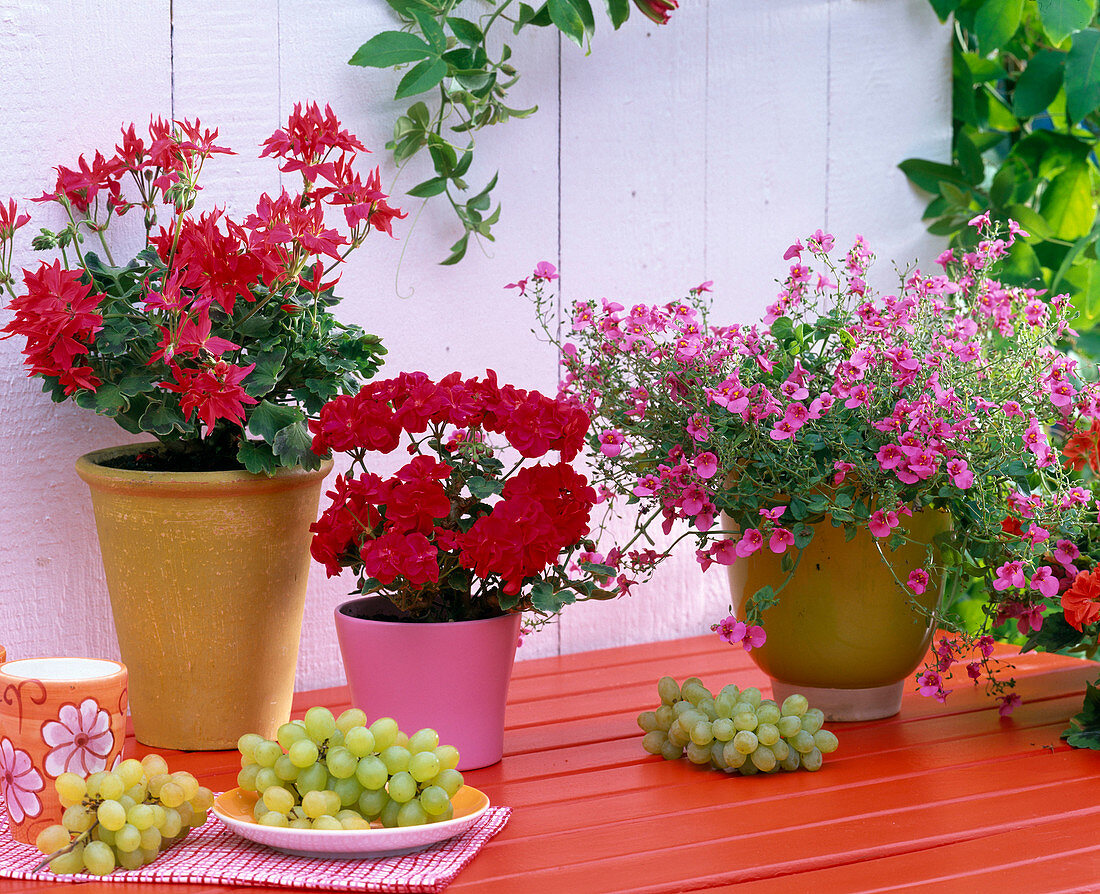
{"x": 213, "y": 854}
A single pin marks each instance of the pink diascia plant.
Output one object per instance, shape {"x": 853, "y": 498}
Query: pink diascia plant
{"x": 949, "y": 394}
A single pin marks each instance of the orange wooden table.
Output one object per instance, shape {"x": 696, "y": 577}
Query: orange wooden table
{"x": 941, "y": 798}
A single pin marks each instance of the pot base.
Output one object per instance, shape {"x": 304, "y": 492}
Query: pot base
{"x": 847, "y": 704}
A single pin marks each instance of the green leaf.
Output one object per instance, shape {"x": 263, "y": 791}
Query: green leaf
{"x": 1084, "y": 727}
{"x": 421, "y": 78}
{"x": 265, "y": 376}
{"x": 1067, "y": 203}
{"x": 618, "y": 11}
{"x": 267, "y": 419}
{"x": 390, "y": 48}
{"x": 428, "y": 188}
{"x": 803, "y": 534}
{"x": 294, "y": 447}
{"x": 996, "y": 22}
{"x": 1035, "y": 224}
{"x": 597, "y": 570}
{"x": 528, "y": 15}
{"x": 160, "y": 419}
{"x": 1021, "y": 266}
{"x": 983, "y": 70}
{"x": 458, "y": 251}
{"x": 1012, "y": 183}
{"x": 418, "y": 113}
{"x": 1083, "y": 74}
{"x": 481, "y": 201}
{"x": 929, "y": 174}
{"x": 567, "y": 18}
{"x": 1061, "y": 18}
{"x": 1083, "y": 281}
{"x": 109, "y": 400}
{"x": 433, "y": 31}
{"x": 944, "y": 8}
{"x": 138, "y": 381}
{"x": 474, "y": 79}
{"x": 484, "y": 487}
{"x": 257, "y": 457}
{"x": 466, "y": 31}
{"x": 969, "y": 158}
{"x": 1039, "y": 83}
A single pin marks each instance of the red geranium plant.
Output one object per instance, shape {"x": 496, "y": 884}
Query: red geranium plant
{"x": 465, "y": 529}
{"x": 217, "y": 330}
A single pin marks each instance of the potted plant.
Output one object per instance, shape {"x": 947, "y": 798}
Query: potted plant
{"x": 477, "y": 527}
{"x": 849, "y": 436}
{"x": 218, "y": 339}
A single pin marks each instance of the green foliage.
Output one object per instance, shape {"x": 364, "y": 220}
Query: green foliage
{"x": 468, "y": 72}
{"x": 1026, "y": 111}
{"x": 1084, "y": 728}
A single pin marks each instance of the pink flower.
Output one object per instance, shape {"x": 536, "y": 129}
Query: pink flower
{"x": 544, "y": 270}
{"x": 754, "y": 637}
{"x": 842, "y": 469}
{"x": 1010, "y": 574}
{"x": 20, "y": 782}
{"x": 724, "y": 552}
{"x": 730, "y": 630}
{"x": 780, "y": 540}
{"x": 960, "y": 474}
{"x": 773, "y": 514}
{"x": 611, "y": 442}
{"x": 918, "y": 580}
{"x": 706, "y": 465}
{"x": 698, "y": 426}
{"x": 1008, "y": 704}
{"x": 1045, "y": 582}
{"x": 882, "y": 523}
{"x": 749, "y": 543}
{"x": 931, "y": 684}
{"x": 793, "y": 252}
{"x": 80, "y": 739}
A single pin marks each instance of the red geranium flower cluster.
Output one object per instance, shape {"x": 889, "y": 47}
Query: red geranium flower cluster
{"x": 209, "y": 299}
{"x": 452, "y": 534}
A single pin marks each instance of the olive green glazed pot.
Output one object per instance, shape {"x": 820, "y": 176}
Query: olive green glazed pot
{"x": 844, "y": 632}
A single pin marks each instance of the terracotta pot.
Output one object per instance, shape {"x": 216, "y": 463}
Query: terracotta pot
{"x": 207, "y": 575}
{"x": 57, "y": 715}
{"x": 452, "y": 677}
{"x": 843, "y": 632}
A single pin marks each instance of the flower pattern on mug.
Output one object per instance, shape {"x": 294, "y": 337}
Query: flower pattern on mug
{"x": 80, "y": 739}
{"x": 19, "y": 782}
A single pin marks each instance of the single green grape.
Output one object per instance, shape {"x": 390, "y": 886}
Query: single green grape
{"x": 789, "y": 725}
{"x": 434, "y": 800}
{"x": 347, "y": 790}
{"x": 668, "y": 690}
{"x": 70, "y": 788}
{"x": 127, "y": 839}
{"x": 402, "y": 787}
{"x": 768, "y": 712}
{"x": 371, "y": 772}
{"x": 359, "y": 740}
{"x": 99, "y": 859}
{"x": 764, "y": 759}
{"x": 795, "y": 705}
{"x": 111, "y": 815}
{"x": 173, "y": 823}
{"x": 284, "y": 768}
{"x": 450, "y": 780}
{"x": 372, "y": 801}
{"x": 112, "y": 786}
{"x": 266, "y": 753}
{"x": 279, "y": 799}
{"x": 767, "y": 733}
{"x": 140, "y": 816}
{"x": 53, "y": 838}
{"x": 723, "y": 729}
{"x": 698, "y": 754}
{"x": 826, "y": 741}
{"x": 289, "y": 733}
{"x": 274, "y": 818}
{"x": 647, "y": 721}
{"x": 802, "y": 742}
{"x": 702, "y": 733}
{"x": 70, "y": 863}
{"x": 303, "y": 753}
{"x": 424, "y": 765}
{"x": 812, "y": 760}
{"x": 341, "y": 762}
{"x": 745, "y": 741}
{"x": 77, "y": 818}
{"x": 654, "y": 741}
{"x": 388, "y": 816}
{"x": 312, "y": 778}
{"x": 396, "y": 758}
{"x": 246, "y": 779}
{"x": 264, "y": 780}
{"x": 351, "y": 718}
{"x": 385, "y": 731}
{"x": 412, "y": 813}
{"x": 320, "y": 724}
{"x": 448, "y": 756}
{"x": 423, "y": 740}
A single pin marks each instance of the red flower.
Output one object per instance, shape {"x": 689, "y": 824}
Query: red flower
{"x": 213, "y": 391}
{"x": 307, "y": 141}
{"x": 415, "y": 505}
{"x": 58, "y": 318}
{"x": 11, "y": 220}
{"x": 1081, "y": 602}
{"x": 350, "y": 519}
{"x": 83, "y": 186}
{"x": 394, "y": 555}
{"x": 1084, "y": 449}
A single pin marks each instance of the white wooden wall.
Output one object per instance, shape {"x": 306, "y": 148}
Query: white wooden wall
{"x": 666, "y": 157}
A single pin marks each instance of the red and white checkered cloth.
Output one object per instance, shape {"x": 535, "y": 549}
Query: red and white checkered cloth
{"x": 215, "y": 855}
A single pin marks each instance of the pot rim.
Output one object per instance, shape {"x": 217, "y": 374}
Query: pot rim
{"x": 89, "y": 467}
{"x": 341, "y": 616}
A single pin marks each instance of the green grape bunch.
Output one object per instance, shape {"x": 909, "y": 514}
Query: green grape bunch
{"x": 737, "y": 730}
{"x": 122, "y": 818}
{"x": 327, "y": 772}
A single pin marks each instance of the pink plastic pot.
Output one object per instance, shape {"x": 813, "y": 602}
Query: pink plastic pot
{"x": 452, "y": 677}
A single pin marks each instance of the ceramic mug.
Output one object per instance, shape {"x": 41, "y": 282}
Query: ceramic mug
{"x": 57, "y": 715}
